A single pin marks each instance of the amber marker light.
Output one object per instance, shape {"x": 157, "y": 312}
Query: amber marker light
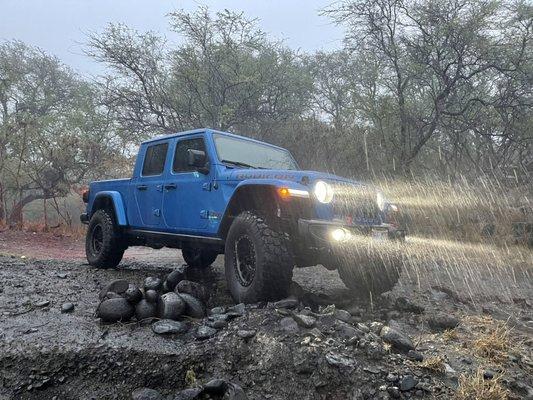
{"x": 286, "y": 193}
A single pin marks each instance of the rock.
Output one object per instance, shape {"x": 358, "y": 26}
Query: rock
{"x": 347, "y": 331}
{"x": 340, "y": 361}
{"x": 117, "y": 286}
{"x": 238, "y": 310}
{"x": 375, "y": 351}
{"x": 61, "y": 275}
{"x": 217, "y": 324}
{"x": 343, "y": 315}
{"x": 393, "y": 392}
{"x": 146, "y": 394}
{"x": 286, "y": 303}
{"x": 112, "y": 295}
{"x": 193, "y": 307}
{"x": 151, "y": 296}
{"x": 397, "y": 339}
{"x": 217, "y": 310}
{"x": 175, "y": 277}
{"x": 42, "y": 303}
{"x": 246, "y": 333}
{"x": 289, "y": 325}
{"x": 364, "y": 328}
{"x": 415, "y": 355}
{"x": 304, "y": 321}
{"x": 205, "y": 332}
{"x": 153, "y": 283}
{"x": 488, "y": 374}
{"x": 133, "y": 294}
{"x": 392, "y": 378}
{"x": 145, "y": 310}
{"x": 215, "y": 386}
{"x": 189, "y": 394}
{"x": 376, "y": 327}
{"x": 114, "y": 310}
{"x": 441, "y": 322}
{"x": 448, "y": 369}
{"x": 168, "y": 326}
{"x": 170, "y": 306}
{"x": 67, "y": 307}
{"x": 234, "y": 392}
{"x": 404, "y": 304}
{"x": 192, "y": 288}
{"x": 408, "y": 382}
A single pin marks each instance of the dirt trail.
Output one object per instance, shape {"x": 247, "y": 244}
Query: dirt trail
{"x": 46, "y": 354}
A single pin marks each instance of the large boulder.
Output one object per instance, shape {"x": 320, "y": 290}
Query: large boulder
{"x": 194, "y": 307}
{"x": 151, "y": 296}
{"x": 175, "y": 277}
{"x": 397, "y": 339}
{"x": 118, "y": 286}
{"x": 113, "y": 310}
{"x": 133, "y": 294}
{"x": 170, "y": 306}
{"x": 152, "y": 283}
{"x": 145, "y": 310}
{"x": 194, "y": 289}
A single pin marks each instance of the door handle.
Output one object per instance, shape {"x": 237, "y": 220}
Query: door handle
{"x": 142, "y": 187}
{"x": 170, "y": 186}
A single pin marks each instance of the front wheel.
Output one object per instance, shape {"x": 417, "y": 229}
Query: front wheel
{"x": 258, "y": 262}
{"x": 103, "y": 244}
{"x": 196, "y": 257}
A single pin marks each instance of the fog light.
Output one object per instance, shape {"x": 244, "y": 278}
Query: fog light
{"x": 340, "y": 234}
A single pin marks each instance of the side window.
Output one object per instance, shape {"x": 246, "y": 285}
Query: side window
{"x": 154, "y": 160}
{"x": 181, "y": 162}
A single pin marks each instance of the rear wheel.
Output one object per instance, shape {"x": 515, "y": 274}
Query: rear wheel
{"x": 258, "y": 262}
{"x": 368, "y": 274}
{"x": 104, "y": 246}
{"x": 196, "y": 257}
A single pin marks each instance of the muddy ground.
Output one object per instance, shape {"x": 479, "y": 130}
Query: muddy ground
{"x": 47, "y": 354}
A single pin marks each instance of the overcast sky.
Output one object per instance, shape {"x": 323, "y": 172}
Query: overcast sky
{"x": 60, "y": 26}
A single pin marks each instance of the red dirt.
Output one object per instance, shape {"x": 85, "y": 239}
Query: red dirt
{"x": 50, "y": 246}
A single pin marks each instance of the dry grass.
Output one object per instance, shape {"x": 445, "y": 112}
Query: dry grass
{"x": 494, "y": 344}
{"x": 475, "y": 387}
{"x": 434, "y": 364}
{"x": 450, "y": 334}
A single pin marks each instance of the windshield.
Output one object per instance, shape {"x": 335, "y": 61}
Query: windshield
{"x": 245, "y": 153}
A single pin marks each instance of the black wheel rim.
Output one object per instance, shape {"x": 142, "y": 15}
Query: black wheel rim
{"x": 245, "y": 261}
{"x": 97, "y": 239}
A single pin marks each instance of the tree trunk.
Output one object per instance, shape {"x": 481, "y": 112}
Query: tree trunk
{"x": 16, "y": 216}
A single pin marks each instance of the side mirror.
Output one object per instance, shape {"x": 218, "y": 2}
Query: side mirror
{"x": 197, "y": 158}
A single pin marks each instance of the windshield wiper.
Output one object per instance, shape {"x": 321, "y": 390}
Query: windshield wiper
{"x": 240, "y": 164}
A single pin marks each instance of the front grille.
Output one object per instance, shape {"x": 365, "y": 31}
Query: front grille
{"x": 355, "y": 203}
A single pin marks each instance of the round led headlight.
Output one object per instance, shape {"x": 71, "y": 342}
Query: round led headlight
{"x": 323, "y": 192}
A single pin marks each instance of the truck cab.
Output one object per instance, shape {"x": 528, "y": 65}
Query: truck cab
{"x": 208, "y": 192}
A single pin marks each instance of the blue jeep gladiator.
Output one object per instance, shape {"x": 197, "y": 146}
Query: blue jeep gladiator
{"x": 208, "y": 193}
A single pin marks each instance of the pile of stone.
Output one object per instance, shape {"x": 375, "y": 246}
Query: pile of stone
{"x": 214, "y": 389}
{"x": 168, "y": 299}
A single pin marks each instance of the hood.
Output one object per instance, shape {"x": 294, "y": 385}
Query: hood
{"x": 241, "y": 174}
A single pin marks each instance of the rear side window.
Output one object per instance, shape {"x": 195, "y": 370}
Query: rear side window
{"x": 154, "y": 160}
{"x": 181, "y": 162}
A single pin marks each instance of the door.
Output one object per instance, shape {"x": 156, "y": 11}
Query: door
{"x": 187, "y": 191}
{"x": 148, "y": 187}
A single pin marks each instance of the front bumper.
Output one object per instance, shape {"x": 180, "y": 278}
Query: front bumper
{"x": 319, "y": 231}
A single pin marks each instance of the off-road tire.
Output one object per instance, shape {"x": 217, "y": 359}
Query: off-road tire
{"x": 110, "y": 252}
{"x": 273, "y": 260}
{"x": 368, "y": 275}
{"x": 198, "y": 258}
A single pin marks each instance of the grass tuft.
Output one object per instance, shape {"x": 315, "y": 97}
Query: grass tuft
{"x": 475, "y": 387}
{"x": 434, "y": 364}
{"x": 493, "y": 344}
